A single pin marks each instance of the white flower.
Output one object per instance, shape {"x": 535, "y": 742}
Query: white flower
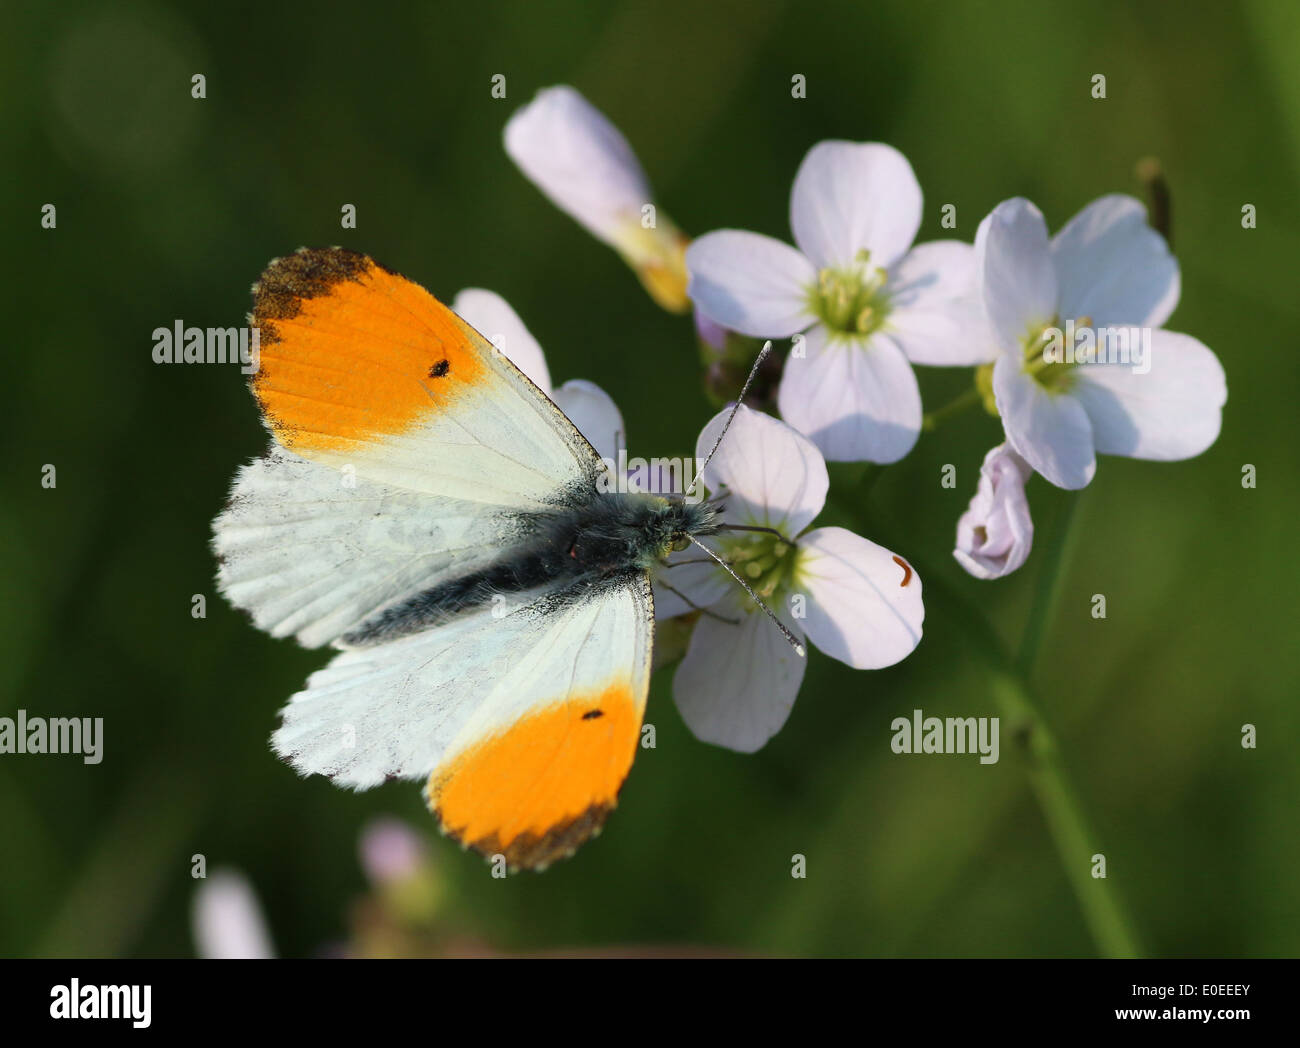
{"x": 1106, "y": 270}
{"x": 854, "y": 600}
{"x": 227, "y": 919}
{"x": 994, "y": 535}
{"x": 588, "y": 406}
{"x": 573, "y": 154}
{"x": 867, "y": 306}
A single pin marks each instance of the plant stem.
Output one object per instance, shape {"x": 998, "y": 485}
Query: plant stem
{"x": 1048, "y": 591}
{"x": 954, "y": 407}
{"x": 1075, "y": 843}
{"x": 869, "y": 477}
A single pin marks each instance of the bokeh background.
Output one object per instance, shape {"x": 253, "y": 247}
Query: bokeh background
{"x": 168, "y": 208}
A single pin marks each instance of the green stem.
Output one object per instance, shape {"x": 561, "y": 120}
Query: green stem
{"x": 1048, "y": 591}
{"x": 1075, "y": 843}
{"x": 954, "y": 407}
{"x": 869, "y": 477}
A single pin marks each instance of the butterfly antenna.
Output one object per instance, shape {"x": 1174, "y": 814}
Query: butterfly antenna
{"x": 800, "y": 650}
{"x": 762, "y": 355}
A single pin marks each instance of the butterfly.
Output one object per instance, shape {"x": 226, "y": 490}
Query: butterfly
{"x": 429, "y": 511}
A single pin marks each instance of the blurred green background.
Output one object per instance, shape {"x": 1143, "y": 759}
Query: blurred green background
{"x": 168, "y": 208}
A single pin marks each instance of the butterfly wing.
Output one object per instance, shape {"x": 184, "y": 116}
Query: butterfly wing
{"x": 521, "y": 722}
{"x": 312, "y": 552}
{"x": 362, "y": 369}
{"x": 408, "y": 448}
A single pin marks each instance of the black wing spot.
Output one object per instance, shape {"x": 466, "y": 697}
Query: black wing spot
{"x": 439, "y": 369}
{"x": 593, "y": 714}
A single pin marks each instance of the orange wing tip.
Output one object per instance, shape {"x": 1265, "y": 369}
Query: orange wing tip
{"x": 351, "y": 351}
{"x": 538, "y": 789}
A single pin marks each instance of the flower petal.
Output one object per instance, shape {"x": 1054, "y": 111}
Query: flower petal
{"x": 1113, "y": 267}
{"x": 1014, "y": 263}
{"x": 1050, "y": 431}
{"x": 935, "y": 312}
{"x": 1174, "y": 411}
{"x": 709, "y": 331}
{"x": 697, "y": 585}
{"x": 856, "y": 398}
{"x": 851, "y": 196}
{"x": 864, "y": 606}
{"x": 737, "y": 684}
{"x": 750, "y": 283}
{"x": 581, "y": 161}
{"x": 595, "y": 414}
{"x": 995, "y": 534}
{"x": 227, "y": 919}
{"x": 774, "y": 476}
{"x": 491, "y": 316}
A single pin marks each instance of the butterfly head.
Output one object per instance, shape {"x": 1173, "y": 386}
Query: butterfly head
{"x": 673, "y": 521}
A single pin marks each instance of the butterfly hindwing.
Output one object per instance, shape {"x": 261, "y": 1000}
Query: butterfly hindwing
{"x": 522, "y": 723}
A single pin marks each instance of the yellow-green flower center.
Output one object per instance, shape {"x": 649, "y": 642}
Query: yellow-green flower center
{"x": 851, "y": 300}
{"x": 766, "y": 562}
{"x": 1045, "y": 360}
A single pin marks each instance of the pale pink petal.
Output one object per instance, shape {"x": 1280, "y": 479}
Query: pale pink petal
{"x": 850, "y": 197}
{"x": 1014, "y": 263}
{"x": 856, "y": 398}
{"x": 491, "y": 316}
{"x": 737, "y": 684}
{"x": 227, "y": 919}
{"x": 580, "y": 160}
{"x": 750, "y": 283}
{"x": 935, "y": 312}
{"x": 1113, "y": 267}
{"x": 1173, "y": 411}
{"x": 995, "y": 533}
{"x": 595, "y": 414}
{"x": 773, "y": 476}
{"x": 1050, "y": 431}
{"x": 864, "y": 606}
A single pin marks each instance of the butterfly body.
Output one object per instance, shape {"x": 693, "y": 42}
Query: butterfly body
{"x": 597, "y": 539}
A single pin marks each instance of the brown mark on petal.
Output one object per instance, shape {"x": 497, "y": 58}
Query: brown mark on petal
{"x": 907, "y": 569}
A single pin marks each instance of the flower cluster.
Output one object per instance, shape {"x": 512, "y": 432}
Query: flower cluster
{"x": 861, "y": 303}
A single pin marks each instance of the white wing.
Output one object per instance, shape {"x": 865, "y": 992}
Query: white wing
{"x": 312, "y": 552}
{"x": 523, "y": 725}
{"x": 408, "y": 446}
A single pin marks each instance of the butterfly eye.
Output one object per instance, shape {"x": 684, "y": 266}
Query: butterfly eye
{"x": 680, "y": 544}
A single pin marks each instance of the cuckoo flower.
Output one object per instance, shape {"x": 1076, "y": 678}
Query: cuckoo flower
{"x": 854, "y": 600}
{"x": 1106, "y": 274}
{"x": 994, "y": 535}
{"x": 867, "y": 304}
{"x": 573, "y": 154}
